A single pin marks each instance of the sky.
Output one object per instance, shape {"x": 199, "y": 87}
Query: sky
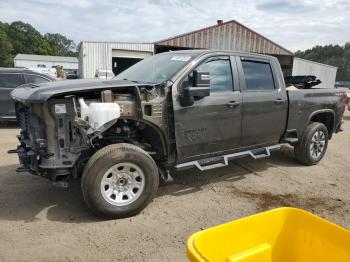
{"x": 294, "y": 24}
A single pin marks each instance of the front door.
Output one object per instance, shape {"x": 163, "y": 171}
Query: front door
{"x": 264, "y": 110}
{"x": 212, "y": 124}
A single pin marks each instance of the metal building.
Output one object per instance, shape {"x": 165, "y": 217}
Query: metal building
{"x": 326, "y": 73}
{"x": 226, "y": 36}
{"x": 45, "y": 61}
{"x": 115, "y": 56}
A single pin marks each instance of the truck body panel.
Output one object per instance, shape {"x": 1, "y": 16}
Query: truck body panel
{"x": 248, "y": 108}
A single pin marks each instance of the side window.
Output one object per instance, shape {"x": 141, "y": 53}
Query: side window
{"x": 11, "y": 80}
{"x": 258, "y": 76}
{"x": 220, "y": 74}
{"x": 34, "y": 79}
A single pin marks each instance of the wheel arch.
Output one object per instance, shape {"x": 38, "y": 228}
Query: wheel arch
{"x": 160, "y": 135}
{"x": 326, "y": 117}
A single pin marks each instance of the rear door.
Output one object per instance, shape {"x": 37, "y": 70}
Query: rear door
{"x": 8, "y": 82}
{"x": 264, "y": 110}
{"x": 213, "y": 123}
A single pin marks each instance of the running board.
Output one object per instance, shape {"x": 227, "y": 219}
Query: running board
{"x": 256, "y": 154}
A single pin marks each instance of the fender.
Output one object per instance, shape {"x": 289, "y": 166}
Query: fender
{"x": 321, "y": 111}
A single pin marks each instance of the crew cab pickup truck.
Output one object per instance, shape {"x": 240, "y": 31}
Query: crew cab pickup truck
{"x": 175, "y": 110}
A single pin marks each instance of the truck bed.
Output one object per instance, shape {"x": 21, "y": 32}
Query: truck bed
{"x": 304, "y": 103}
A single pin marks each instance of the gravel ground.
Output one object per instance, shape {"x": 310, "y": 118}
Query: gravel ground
{"x": 39, "y": 222}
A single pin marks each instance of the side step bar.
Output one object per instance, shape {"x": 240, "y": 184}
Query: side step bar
{"x": 256, "y": 154}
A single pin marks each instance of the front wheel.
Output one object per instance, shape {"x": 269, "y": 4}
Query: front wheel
{"x": 313, "y": 145}
{"x": 119, "y": 181}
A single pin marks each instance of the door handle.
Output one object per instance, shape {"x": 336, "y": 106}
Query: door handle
{"x": 279, "y": 101}
{"x": 232, "y": 104}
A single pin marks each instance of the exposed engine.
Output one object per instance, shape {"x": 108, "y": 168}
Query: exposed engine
{"x": 57, "y": 138}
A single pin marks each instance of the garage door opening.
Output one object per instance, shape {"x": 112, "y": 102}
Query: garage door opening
{"x": 119, "y": 64}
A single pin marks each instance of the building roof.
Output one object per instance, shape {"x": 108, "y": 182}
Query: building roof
{"x": 46, "y": 58}
{"x": 230, "y": 35}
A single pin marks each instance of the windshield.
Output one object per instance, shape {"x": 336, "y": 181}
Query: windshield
{"x": 156, "y": 69}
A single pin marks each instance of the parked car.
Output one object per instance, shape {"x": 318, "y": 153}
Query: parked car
{"x": 10, "y": 78}
{"x": 342, "y": 84}
{"x": 175, "y": 110}
{"x": 71, "y": 74}
{"x": 104, "y": 74}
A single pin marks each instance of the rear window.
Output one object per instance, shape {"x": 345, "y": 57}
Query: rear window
{"x": 34, "y": 79}
{"x": 258, "y": 76}
{"x": 11, "y": 80}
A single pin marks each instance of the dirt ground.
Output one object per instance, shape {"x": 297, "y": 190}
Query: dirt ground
{"x": 39, "y": 222}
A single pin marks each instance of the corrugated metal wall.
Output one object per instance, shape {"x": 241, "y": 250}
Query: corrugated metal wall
{"x": 325, "y": 73}
{"x": 98, "y": 55}
{"x": 230, "y": 36}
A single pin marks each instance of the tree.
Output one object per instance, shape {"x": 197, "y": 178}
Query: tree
{"x": 6, "y": 58}
{"x": 25, "y": 39}
{"x": 335, "y": 55}
{"x": 60, "y": 45}
{"x": 19, "y": 37}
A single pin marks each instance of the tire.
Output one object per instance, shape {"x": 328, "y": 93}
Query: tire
{"x": 125, "y": 171}
{"x": 313, "y": 145}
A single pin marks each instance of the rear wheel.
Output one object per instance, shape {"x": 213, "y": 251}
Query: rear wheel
{"x": 313, "y": 145}
{"x": 119, "y": 181}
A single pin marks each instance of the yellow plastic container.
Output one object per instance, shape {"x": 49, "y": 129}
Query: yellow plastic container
{"x": 282, "y": 234}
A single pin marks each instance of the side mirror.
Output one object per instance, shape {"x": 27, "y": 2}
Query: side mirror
{"x": 197, "y": 86}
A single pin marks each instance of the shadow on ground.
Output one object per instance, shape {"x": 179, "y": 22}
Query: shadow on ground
{"x": 28, "y": 198}
{"x": 192, "y": 180}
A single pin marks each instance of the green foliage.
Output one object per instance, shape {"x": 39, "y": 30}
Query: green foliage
{"x": 332, "y": 55}
{"x": 60, "y": 45}
{"x": 6, "y": 58}
{"x": 24, "y": 38}
{"x": 19, "y": 37}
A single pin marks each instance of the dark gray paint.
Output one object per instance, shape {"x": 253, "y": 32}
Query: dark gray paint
{"x": 28, "y": 94}
{"x": 209, "y": 127}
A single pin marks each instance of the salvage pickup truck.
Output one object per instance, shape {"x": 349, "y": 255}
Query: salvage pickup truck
{"x": 175, "y": 110}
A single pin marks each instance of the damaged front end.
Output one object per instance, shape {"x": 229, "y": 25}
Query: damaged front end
{"x": 50, "y": 143}
{"x": 59, "y": 135}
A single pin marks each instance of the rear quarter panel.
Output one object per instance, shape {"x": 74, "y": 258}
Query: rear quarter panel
{"x": 303, "y": 104}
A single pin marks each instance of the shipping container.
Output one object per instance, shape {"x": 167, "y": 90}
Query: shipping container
{"x": 326, "y": 73}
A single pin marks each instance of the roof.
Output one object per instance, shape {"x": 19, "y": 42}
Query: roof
{"x": 233, "y": 35}
{"x": 116, "y": 42}
{"x": 46, "y": 58}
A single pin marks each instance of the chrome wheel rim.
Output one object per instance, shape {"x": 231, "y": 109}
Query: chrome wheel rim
{"x": 317, "y": 144}
{"x": 122, "y": 184}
